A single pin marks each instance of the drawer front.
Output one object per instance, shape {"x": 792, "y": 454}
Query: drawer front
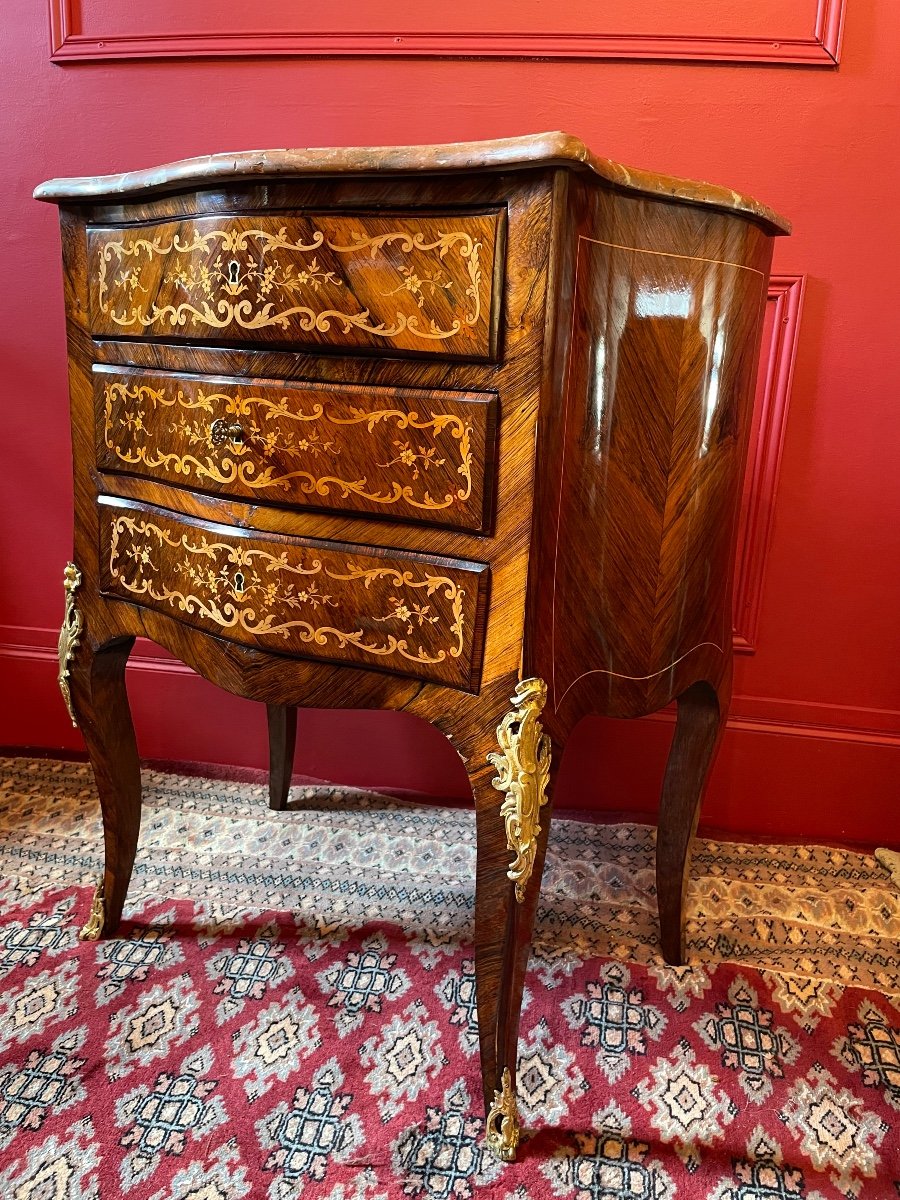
{"x": 381, "y": 283}
{"x": 413, "y": 614}
{"x": 404, "y": 453}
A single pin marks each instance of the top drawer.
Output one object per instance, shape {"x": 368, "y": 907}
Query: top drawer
{"x": 380, "y": 283}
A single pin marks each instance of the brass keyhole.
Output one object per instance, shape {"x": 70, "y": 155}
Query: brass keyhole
{"x": 221, "y": 432}
{"x": 239, "y": 583}
{"x": 234, "y": 271}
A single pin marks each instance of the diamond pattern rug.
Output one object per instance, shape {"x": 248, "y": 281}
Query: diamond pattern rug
{"x": 289, "y": 1010}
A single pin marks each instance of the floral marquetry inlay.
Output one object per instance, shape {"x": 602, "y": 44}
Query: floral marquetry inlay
{"x": 398, "y": 451}
{"x": 320, "y": 600}
{"x": 414, "y": 282}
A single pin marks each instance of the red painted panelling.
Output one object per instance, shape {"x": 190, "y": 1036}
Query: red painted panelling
{"x": 814, "y": 746}
{"x": 781, "y": 336}
{"x": 795, "y": 31}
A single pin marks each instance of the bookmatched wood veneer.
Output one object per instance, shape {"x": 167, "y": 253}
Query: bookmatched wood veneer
{"x": 542, "y": 529}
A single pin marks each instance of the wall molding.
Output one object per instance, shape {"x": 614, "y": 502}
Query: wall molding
{"x": 820, "y": 47}
{"x": 803, "y": 719}
{"x": 776, "y": 372}
{"x": 31, "y": 642}
{"x": 753, "y": 714}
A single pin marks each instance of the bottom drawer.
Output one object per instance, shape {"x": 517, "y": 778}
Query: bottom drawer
{"x": 414, "y": 614}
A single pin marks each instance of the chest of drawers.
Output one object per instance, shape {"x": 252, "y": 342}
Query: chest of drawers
{"x": 457, "y": 430}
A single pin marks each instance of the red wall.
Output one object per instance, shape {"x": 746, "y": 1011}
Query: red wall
{"x": 814, "y": 748}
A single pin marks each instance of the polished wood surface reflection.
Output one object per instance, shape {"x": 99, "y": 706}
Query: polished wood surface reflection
{"x": 282, "y": 720}
{"x": 423, "y": 616}
{"x": 383, "y": 282}
{"x": 400, "y": 452}
{"x": 542, "y": 527}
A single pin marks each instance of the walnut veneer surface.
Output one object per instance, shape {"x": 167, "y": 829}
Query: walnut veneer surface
{"x": 458, "y": 430}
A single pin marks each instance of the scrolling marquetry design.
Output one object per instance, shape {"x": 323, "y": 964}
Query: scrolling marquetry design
{"x": 93, "y": 927}
{"x": 69, "y": 635}
{"x": 265, "y": 437}
{"x": 250, "y": 589}
{"x": 502, "y": 1124}
{"x": 251, "y": 279}
{"x": 523, "y": 769}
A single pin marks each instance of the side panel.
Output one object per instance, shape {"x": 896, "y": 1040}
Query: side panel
{"x": 638, "y": 525}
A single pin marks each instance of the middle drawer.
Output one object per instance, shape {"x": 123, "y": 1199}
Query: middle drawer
{"x": 406, "y": 453}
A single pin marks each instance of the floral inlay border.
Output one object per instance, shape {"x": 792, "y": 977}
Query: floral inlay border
{"x": 240, "y": 463}
{"x": 246, "y": 588}
{"x": 236, "y": 288}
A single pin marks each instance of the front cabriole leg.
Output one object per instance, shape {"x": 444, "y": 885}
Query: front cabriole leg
{"x": 511, "y": 846}
{"x": 101, "y": 704}
{"x": 92, "y": 682}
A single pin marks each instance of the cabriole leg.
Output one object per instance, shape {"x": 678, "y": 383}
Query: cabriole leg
{"x": 702, "y": 711}
{"x": 512, "y": 840}
{"x": 282, "y": 741}
{"x": 93, "y": 685}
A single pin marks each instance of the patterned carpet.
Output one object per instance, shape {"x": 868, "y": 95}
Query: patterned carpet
{"x": 289, "y": 1011}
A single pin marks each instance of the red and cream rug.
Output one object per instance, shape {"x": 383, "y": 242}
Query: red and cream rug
{"x": 289, "y": 1011}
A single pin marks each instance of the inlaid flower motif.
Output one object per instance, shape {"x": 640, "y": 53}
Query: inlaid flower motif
{"x": 414, "y": 283}
{"x": 413, "y": 614}
{"x": 134, "y": 421}
{"x": 234, "y": 276}
{"x": 141, "y": 555}
{"x": 130, "y": 280}
{"x": 307, "y": 595}
{"x": 420, "y": 458}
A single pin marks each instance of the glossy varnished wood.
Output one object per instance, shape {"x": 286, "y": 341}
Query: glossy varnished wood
{"x": 403, "y": 453}
{"x": 641, "y": 476}
{"x": 702, "y": 711}
{"x": 282, "y": 721}
{"x": 422, "y": 616}
{"x": 380, "y": 282}
{"x": 604, "y": 384}
{"x": 542, "y": 149}
{"x": 100, "y": 702}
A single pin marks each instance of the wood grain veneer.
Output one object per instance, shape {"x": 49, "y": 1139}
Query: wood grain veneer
{"x": 585, "y": 557}
{"x": 423, "y": 455}
{"x": 382, "y": 282}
